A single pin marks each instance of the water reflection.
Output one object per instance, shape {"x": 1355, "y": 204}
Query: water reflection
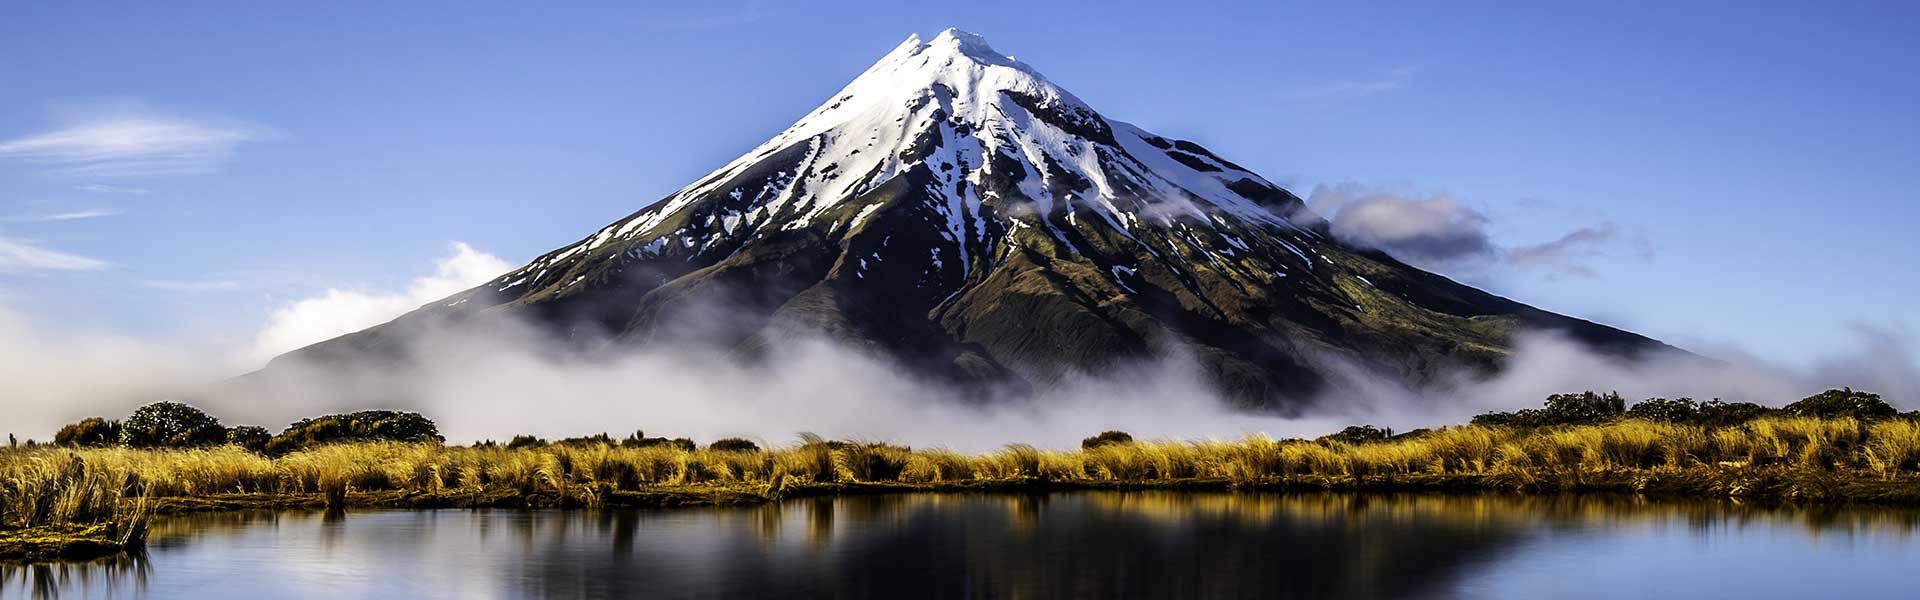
{"x": 1073, "y": 544}
{"x": 114, "y": 576}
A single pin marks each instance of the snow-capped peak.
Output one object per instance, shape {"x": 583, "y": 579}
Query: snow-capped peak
{"x": 993, "y": 130}
{"x": 956, "y": 64}
{"x": 970, "y": 45}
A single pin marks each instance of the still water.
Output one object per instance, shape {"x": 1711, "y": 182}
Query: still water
{"x": 1081, "y": 544}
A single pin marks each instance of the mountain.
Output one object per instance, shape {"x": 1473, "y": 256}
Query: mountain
{"x": 954, "y": 210}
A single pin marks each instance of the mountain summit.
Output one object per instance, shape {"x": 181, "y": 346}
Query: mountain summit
{"x": 955, "y": 211}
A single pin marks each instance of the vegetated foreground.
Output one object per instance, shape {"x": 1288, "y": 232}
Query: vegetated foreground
{"x": 65, "y": 502}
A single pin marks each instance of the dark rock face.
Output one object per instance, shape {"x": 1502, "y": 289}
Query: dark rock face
{"x": 954, "y": 211}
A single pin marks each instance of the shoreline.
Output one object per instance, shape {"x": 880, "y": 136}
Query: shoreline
{"x": 55, "y": 501}
{"x": 1781, "y": 485}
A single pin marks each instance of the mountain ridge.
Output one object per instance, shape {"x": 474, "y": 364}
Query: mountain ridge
{"x": 953, "y": 210}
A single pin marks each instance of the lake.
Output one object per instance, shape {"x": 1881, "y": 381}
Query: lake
{"x": 1080, "y": 544}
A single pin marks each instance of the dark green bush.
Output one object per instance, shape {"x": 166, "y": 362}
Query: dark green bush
{"x": 1666, "y": 411}
{"x": 1589, "y": 408}
{"x": 251, "y": 437}
{"x": 91, "y": 432}
{"x": 1842, "y": 403}
{"x": 589, "y": 441}
{"x": 1409, "y": 435}
{"x": 1584, "y": 407}
{"x": 170, "y": 425}
{"x": 1359, "y": 434}
{"x": 1561, "y": 409}
{"x": 733, "y": 445}
{"x": 639, "y": 439}
{"x": 1714, "y": 413}
{"x": 525, "y": 441}
{"x": 1106, "y": 438}
{"x": 1503, "y": 419}
{"x": 363, "y": 426}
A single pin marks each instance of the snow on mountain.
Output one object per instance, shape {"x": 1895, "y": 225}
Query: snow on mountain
{"x": 956, "y": 105}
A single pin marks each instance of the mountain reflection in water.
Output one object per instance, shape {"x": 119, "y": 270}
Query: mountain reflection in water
{"x": 1089, "y": 544}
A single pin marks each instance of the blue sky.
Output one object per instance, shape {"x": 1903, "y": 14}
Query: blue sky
{"x": 1754, "y": 165}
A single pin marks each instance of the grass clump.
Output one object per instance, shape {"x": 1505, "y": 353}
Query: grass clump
{"x": 55, "y": 504}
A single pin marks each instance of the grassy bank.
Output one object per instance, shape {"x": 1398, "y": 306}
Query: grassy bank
{"x": 103, "y": 494}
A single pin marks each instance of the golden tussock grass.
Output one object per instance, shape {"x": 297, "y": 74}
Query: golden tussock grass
{"x": 1791, "y": 457}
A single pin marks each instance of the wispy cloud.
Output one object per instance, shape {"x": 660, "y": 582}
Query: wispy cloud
{"x": 127, "y": 142}
{"x": 108, "y": 189}
{"x": 1570, "y": 253}
{"x": 73, "y": 215}
{"x": 25, "y": 255}
{"x": 1439, "y": 232}
{"x": 1382, "y": 81}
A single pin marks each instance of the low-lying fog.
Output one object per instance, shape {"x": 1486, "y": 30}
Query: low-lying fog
{"x": 502, "y": 382}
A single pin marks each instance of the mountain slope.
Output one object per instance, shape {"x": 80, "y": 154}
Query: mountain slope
{"x": 952, "y": 209}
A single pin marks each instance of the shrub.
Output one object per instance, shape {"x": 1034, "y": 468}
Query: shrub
{"x": 1665, "y": 411}
{"x": 639, "y": 439}
{"x": 1714, "y": 413}
{"x": 252, "y": 437}
{"x": 1409, "y": 435}
{"x": 363, "y": 426}
{"x": 171, "y": 425}
{"x": 525, "y": 441}
{"x": 1583, "y": 408}
{"x": 1501, "y": 419}
{"x": 589, "y": 441}
{"x": 1842, "y": 403}
{"x": 733, "y": 445}
{"x": 91, "y": 432}
{"x": 1106, "y": 438}
{"x": 1359, "y": 434}
{"x": 1561, "y": 409}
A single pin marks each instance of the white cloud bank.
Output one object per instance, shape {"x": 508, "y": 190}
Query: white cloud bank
{"x": 502, "y": 379}
{"x": 130, "y": 141}
{"x": 339, "y": 311}
{"x": 494, "y": 382}
{"x": 52, "y": 374}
